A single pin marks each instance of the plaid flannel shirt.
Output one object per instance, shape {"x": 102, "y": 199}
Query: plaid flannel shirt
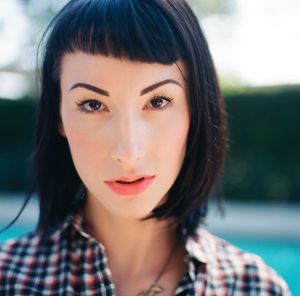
{"x": 74, "y": 263}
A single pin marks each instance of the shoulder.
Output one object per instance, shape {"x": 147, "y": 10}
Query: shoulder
{"x": 236, "y": 270}
{"x": 17, "y": 254}
{"x": 25, "y": 263}
{"x": 17, "y": 246}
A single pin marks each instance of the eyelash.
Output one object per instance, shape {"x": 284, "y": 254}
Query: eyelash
{"x": 86, "y": 100}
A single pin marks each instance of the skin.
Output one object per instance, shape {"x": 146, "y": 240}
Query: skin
{"x": 124, "y": 134}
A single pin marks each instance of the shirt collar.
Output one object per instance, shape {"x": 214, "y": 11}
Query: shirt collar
{"x": 57, "y": 230}
{"x": 196, "y": 247}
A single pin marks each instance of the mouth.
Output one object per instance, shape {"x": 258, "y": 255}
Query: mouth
{"x": 130, "y": 182}
{"x": 130, "y": 179}
{"x": 133, "y": 187}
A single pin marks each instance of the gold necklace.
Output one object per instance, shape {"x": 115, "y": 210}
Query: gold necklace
{"x": 155, "y": 288}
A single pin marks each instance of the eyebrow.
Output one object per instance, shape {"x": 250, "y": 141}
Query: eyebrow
{"x": 106, "y": 93}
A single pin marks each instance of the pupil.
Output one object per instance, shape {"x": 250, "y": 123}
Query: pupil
{"x": 94, "y": 105}
{"x": 157, "y": 102}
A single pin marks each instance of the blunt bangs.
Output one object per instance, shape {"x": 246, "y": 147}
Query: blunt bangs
{"x": 136, "y": 30}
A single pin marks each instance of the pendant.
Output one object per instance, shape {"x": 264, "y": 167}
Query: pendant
{"x": 152, "y": 291}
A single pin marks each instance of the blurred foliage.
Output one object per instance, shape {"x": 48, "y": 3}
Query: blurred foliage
{"x": 16, "y": 143}
{"x": 263, "y": 160}
{"x": 262, "y": 163}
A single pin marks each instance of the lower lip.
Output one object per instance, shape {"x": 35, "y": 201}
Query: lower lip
{"x": 130, "y": 189}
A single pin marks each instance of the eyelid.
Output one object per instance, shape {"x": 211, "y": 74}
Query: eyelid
{"x": 81, "y": 102}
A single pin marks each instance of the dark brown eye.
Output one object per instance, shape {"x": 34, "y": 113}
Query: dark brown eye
{"x": 94, "y": 105}
{"x": 160, "y": 102}
{"x": 89, "y": 106}
{"x": 157, "y": 102}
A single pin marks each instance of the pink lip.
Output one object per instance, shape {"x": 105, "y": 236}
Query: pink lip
{"x": 129, "y": 178}
{"x": 130, "y": 189}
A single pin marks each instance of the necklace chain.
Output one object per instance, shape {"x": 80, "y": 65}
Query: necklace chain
{"x": 155, "y": 288}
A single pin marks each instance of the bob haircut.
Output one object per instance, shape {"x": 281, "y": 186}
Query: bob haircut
{"x": 138, "y": 30}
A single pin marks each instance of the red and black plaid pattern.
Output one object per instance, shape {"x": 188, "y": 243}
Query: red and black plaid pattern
{"x": 74, "y": 263}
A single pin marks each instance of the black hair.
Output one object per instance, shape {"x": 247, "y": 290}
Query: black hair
{"x": 139, "y": 30}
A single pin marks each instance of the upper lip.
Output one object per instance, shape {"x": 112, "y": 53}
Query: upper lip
{"x": 129, "y": 178}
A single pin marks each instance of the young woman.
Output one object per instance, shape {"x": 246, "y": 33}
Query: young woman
{"x": 131, "y": 136}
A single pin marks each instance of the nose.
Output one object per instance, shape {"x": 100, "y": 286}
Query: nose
{"x": 128, "y": 147}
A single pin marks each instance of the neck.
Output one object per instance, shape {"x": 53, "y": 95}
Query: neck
{"x": 145, "y": 246}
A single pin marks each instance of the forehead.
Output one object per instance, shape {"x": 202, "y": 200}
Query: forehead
{"x": 81, "y": 67}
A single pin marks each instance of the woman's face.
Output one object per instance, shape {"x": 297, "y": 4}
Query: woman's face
{"x": 124, "y": 118}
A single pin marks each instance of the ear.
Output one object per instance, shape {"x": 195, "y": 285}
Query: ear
{"x": 61, "y": 129}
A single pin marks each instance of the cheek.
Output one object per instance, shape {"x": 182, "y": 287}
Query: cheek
{"x": 84, "y": 146}
{"x": 82, "y": 151}
{"x": 171, "y": 138}
{"x": 81, "y": 143}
